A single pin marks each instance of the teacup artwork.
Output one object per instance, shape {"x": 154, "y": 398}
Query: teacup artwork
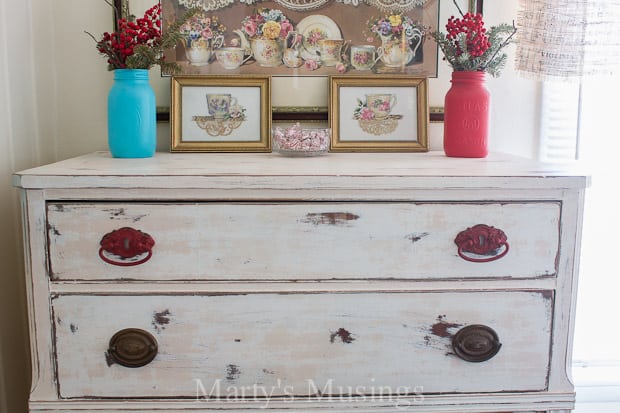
{"x": 375, "y": 113}
{"x": 292, "y": 58}
{"x": 381, "y": 104}
{"x": 231, "y": 57}
{"x": 330, "y": 50}
{"x": 219, "y": 104}
{"x": 225, "y": 115}
{"x": 364, "y": 57}
{"x": 199, "y": 52}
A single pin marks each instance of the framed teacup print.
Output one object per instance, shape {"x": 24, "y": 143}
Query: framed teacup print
{"x": 371, "y": 114}
{"x": 220, "y": 114}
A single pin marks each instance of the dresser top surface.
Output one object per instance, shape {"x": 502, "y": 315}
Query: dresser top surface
{"x": 197, "y": 170}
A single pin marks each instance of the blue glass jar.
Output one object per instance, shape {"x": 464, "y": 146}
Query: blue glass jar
{"x": 132, "y": 115}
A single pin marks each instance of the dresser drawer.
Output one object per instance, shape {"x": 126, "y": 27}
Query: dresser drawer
{"x": 293, "y": 344}
{"x": 300, "y": 240}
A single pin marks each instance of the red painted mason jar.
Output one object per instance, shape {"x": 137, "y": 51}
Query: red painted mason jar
{"x": 466, "y": 116}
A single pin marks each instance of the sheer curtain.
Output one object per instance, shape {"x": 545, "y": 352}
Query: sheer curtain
{"x": 567, "y": 39}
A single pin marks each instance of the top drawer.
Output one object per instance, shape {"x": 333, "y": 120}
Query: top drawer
{"x": 298, "y": 240}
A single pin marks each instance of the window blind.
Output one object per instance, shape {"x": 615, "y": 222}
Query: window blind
{"x": 560, "y": 121}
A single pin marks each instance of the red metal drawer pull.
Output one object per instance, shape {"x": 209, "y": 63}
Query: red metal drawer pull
{"x": 120, "y": 246}
{"x": 482, "y": 240}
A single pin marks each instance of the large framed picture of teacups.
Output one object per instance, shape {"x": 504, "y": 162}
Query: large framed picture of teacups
{"x": 304, "y": 37}
{"x": 221, "y": 114}
{"x": 372, "y": 114}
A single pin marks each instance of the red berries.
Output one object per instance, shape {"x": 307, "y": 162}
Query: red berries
{"x": 119, "y": 45}
{"x": 472, "y": 26}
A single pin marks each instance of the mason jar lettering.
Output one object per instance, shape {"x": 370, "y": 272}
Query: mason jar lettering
{"x": 471, "y": 123}
{"x": 472, "y": 106}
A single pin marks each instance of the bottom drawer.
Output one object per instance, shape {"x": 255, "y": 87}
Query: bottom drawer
{"x": 296, "y": 344}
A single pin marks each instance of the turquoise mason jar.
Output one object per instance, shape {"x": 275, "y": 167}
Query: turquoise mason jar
{"x": 131, "y": 115}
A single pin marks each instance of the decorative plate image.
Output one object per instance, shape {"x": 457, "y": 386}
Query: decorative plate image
{"x": 314, "y": 28}
{"x": 303, "y": 5}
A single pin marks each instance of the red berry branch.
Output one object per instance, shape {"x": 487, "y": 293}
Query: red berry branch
{"x": 468, "y": 46}
{"x": 140, "y": 43}
{"x": 472, "y": 25}
{"x": 119, "y": 45}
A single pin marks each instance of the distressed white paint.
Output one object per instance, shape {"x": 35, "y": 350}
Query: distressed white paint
{"x": 390, "y": 192}
{"x": 289, "y": 343}
{"x": 443, "y": 404}
{"x": 50, "y": 112}
{"x": 302, "y": 240}
{"x": 273, "y": 172}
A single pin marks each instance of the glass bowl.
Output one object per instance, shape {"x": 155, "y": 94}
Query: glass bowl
{"x": 300, "y": 141}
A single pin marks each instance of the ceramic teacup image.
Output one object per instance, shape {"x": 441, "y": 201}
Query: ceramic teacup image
{"x": 219, "y": 104}
{"x": 292, "y": 58}
{"x": 364, "y": 57}
{"x": 231, "y": 57}
{"x": 330, "y": 50}
{"x": 381, "y": 104}
{"x": 199, "y": 52}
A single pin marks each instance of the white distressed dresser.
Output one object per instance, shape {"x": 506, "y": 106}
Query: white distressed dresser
{"x": 343, "y": 283}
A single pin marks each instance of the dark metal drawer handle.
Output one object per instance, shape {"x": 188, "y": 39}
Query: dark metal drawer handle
{"x": 483, "y": 240}
{"x": 476, "y": 343}
{"x": 132, "y": 347}
{"x": 120, "y": 246}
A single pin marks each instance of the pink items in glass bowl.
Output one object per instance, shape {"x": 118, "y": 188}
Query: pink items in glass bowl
{"x": 298, "y": 141}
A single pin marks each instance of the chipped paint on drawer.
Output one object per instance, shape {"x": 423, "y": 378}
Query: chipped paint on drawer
{"x": 303, "y": 241}
{"x": 384, "y": 340}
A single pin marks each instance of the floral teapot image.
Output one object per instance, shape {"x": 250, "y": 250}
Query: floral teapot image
{"x": 264, "y": 34}
{"x": 200, "y": 35}
{"x": 198, "y": 52}
{"x": 266, "y": 52}
{"x": 400, "y": 39}
{"x": 397, "y": 52}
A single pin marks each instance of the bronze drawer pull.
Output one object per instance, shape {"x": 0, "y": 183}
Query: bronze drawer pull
{"x": 482, "y": 240}
{"x": 476, "y": 343}
{"x": 132, "y": 347}
{"x": 126, "y": 243}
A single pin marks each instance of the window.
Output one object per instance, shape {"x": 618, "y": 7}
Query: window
{"x": 596, "y": 341}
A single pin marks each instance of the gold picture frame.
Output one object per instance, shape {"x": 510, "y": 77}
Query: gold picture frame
{"x": 221, "y": 114}
{"x": 370, "y": 114}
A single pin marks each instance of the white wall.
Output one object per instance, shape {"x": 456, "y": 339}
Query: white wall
{"x": 515, "y": 102}
{"x": 53, "y": 88}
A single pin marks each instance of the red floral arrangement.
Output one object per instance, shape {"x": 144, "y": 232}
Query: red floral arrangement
{"x": 139, "y": 43}
{"x": 120, "y": 45}
{"x": 469, "y": 46}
